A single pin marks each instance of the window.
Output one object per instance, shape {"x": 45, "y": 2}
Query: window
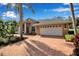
{"x": 56, "y": 26}
{"x": 65, "y": 25}
{"x": 59, "y": 25}
{"x": 50, "y": 26}
{"x": 33, "y": 29}
{"x": 53, "y": 25}
{"x": 44, "y": 26}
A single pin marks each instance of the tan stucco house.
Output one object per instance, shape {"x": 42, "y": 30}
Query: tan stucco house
{"x": 47, "y": 27}
{"x": 27, "y": 26}
{"x": 55, "y": 28}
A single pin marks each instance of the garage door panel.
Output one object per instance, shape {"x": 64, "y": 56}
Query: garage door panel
{"x": 51, "y": 31}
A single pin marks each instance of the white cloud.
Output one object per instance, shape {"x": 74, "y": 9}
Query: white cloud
{"x": 77, "y": 15}
{"x": 9, "y": 14}
{"x": 75, "y": 4}
{"x": 13, "y": 4}
{"x": 61, "y": 9}
{"x": 58, "y": 9}
{"x": 3, "y": 3}
{"x": 66, "y": 3}
{"x": 24, "y": 6}
{"x": 76, "y": 12}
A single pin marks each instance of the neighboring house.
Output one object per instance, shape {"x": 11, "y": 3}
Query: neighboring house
{"x": 50, "y": 27}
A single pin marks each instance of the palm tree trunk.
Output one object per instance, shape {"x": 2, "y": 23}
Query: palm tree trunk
{"x": 73, "y": 18}
{"x": 75, "y": 51}
{"x": 21, "y": 19}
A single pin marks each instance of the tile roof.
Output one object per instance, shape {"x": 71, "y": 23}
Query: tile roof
{"x": 52, "y": 22}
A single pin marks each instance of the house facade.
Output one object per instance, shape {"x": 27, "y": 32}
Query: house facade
{"x": 27, "y": 26}
{"x": 54, "y": 28}
{"x": 51, "y": 27}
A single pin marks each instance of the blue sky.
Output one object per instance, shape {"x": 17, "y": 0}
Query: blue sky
{"x": 42, "y": 11}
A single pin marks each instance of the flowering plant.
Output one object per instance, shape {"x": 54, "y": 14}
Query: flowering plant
{"x": 77, "y": 37}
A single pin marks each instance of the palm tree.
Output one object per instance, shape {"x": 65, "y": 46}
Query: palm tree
{"x": 76, "y": 52}
{"x": 73, "y": 18}
{"x": 21, "y": 19}
{"x": 18, "y": 7}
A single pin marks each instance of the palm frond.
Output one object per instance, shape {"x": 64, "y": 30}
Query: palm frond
{"x": 31, "y": 8}
{"x": 14, "y": 5}
{"x": 8, "y": 6}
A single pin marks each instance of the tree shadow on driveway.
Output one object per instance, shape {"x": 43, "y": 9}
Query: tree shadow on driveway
{"x": 43, "y": 50}
{"x": 33, "y": 51}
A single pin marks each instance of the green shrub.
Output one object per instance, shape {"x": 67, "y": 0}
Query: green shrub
{"x": 7, "y": 40}
{"x": 69, "y": 37}
{"x": 3, "y": 40}
{"x": 12, "y": 39}
{"x": 7, "y": 30}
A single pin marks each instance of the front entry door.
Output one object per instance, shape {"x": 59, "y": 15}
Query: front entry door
{"x": 27, "y": 30}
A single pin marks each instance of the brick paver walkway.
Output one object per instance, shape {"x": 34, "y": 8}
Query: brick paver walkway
{"x": 39, "y": 46}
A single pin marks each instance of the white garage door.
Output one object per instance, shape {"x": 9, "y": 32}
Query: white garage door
{"x": 51, "y": 31}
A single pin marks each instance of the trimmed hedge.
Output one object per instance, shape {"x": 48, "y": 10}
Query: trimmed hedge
{"x": 69, "y": 37}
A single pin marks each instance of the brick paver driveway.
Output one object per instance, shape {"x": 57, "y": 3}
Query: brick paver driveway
{"x": 39, "y": 46}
